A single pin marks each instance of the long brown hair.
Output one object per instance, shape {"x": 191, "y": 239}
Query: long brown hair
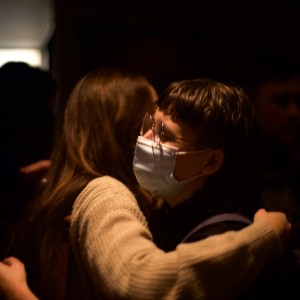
{"x": 101, "y": 123}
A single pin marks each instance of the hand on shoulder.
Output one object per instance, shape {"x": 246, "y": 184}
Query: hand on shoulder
{"x": 278, "y": 221}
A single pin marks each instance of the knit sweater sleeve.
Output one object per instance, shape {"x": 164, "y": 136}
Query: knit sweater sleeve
{"x": 110, "y": 235}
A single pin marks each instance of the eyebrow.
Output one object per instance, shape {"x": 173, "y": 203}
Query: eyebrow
{"x": 169, "y": 133}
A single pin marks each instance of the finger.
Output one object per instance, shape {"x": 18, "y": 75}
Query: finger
{"x": 260, "y": 212}
{"x": 36, "y": 166}
{"x": 10, "y": 261}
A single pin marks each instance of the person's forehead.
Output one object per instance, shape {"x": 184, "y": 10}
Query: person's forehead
{"x": 291, "y": 86}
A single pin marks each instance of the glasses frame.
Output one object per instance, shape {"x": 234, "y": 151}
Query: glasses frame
{"x": 157, "y": 129}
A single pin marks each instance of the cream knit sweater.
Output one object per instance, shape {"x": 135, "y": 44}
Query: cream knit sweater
{"x": 113, "y": 255}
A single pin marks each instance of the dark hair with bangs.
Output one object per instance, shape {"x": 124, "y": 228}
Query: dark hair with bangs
{"x": 222, "y": 110}
{"x": 223, "y": 117}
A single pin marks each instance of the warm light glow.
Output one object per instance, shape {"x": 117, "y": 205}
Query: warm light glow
{"x": 31, "y": 56}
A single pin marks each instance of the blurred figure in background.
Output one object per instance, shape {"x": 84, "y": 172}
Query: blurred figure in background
{"x": 27, "y": 125}
{"x": 272, "y": 82}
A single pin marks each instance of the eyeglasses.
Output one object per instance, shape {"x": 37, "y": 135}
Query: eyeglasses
{"x": 155, "y": 131}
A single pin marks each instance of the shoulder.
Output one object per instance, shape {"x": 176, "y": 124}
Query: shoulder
{"x": 103, "y": 196}
{"x": 102, "y": 183}
{"x": 217, "y": 224}
{"x": 102, "y": 189}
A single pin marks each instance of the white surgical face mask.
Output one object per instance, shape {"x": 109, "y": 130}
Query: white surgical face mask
{"x": 153, "y": 166}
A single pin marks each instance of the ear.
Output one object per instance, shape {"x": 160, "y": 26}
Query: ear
{"x": 214, "y": 162}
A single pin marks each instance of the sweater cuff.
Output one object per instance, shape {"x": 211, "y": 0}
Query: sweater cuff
{"x": 265, "y": 238}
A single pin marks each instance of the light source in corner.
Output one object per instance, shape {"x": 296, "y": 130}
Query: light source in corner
{"x": 32, "y": 57}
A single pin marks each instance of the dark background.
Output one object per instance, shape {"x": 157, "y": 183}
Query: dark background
{"x": 168, "y": 39}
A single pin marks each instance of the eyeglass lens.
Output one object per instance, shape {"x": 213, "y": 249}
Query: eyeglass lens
{"x": 151, "y": 129}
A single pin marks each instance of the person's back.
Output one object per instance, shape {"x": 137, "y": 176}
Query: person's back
{"x": 101, "y": 122}
{"x": 278, "y": 281}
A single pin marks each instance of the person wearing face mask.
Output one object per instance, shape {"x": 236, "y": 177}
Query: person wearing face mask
{"x": 201, "y": 145}
{"x": 200, "y": 152}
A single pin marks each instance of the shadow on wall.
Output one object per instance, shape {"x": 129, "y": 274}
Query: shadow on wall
{"x": 163, "y": 53}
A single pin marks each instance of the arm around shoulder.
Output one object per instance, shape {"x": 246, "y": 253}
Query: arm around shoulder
{"x": 110, "y": 237}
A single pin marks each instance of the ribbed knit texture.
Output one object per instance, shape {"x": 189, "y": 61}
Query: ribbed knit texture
{"x": 114, "y": 256}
